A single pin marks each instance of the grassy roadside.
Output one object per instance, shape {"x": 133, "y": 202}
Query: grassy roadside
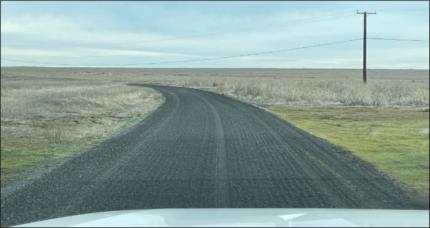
{"x": 37, "y": 147}
{"x": 44, "y": 122}
{"x": 395, "y": 141}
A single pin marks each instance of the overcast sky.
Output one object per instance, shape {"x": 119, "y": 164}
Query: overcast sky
{"x": 138, "y": 33}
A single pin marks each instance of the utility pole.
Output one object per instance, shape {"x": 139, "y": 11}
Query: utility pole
{"x": 364, "y": 43}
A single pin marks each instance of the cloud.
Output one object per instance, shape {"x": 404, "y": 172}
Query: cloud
{"x": 35, "y": 53}
{"x": 32, "y": 53}
{"x": 140, "y": 32}
{"x": 72, "y": 30}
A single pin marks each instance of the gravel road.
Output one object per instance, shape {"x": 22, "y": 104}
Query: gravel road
{"x": 203, "y": 150}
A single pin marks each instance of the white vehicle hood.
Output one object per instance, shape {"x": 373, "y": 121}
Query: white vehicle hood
{"x": 244, "y": 217}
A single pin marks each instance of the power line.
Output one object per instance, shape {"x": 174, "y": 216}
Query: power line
{"x": 205, "y": 59}
{"x": 222, "y": 57}
{"x": 254, "y": 53}
{"x": 296, "y": 22}
{"x": 396, "y": 39}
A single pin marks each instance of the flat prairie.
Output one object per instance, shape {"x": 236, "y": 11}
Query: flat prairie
{"x": 50, "y": 114}
{"x": 316, "y": 87}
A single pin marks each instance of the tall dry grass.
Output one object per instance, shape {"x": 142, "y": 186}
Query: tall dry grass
{"x": 28, "y": 100}
{"x": 319, "y": 92}
{"x": 385, "y": 88}
{"x": 380, "y": 93}
{"x": 46, "y": 120}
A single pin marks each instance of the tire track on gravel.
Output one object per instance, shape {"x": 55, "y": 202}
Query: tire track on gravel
{"x": 357, "y": 183}
{"x": 221, "y": 185}
{"x": 122, "y": 161}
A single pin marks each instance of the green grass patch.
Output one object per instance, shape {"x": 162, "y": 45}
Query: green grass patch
{"x": 28, "y": 147}
{"x": 395, "y": 141}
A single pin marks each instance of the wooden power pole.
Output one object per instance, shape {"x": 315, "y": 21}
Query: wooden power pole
{"x": 364, "y": 43}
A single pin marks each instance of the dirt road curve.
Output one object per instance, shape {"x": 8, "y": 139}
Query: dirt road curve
{"x": 199, "y": 150}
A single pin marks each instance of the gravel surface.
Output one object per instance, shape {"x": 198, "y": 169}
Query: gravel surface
{"x": 203, "y": 150}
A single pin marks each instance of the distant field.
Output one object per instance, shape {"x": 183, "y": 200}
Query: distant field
{"x": 395, "y": 141}
{"x": 321, "y": 87}
{"x": 208, "y": 73}
{"x": 51, "y": 113}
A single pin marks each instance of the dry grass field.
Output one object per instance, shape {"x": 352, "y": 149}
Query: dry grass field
{"x": 318, "y": 92}
{"x": 46, "y": 120}
{"x": 49, "y": 114}
{"x": 322, "y": 87}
